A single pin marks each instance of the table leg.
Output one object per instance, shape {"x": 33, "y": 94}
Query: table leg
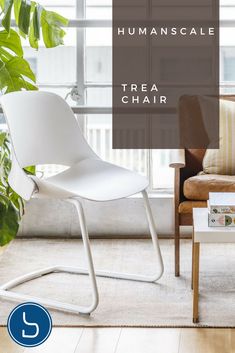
{"x": 192, "y": 259}
{"x": 196, "y": 260}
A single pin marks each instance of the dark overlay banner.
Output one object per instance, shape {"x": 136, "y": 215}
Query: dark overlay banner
{"x": 165, "y": 74}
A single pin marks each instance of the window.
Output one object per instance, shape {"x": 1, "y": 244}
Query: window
{"x": 227, "y": 56}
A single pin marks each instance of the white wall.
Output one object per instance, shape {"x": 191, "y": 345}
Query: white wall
{"x": 122, "y": 217}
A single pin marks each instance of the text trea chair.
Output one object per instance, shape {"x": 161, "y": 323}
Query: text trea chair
{"x": 44, "y": 130}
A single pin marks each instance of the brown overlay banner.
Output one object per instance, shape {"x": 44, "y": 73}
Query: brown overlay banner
{"x": 165, "y": 62}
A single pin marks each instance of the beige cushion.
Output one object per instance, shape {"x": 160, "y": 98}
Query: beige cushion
{"x": 222, "y": 160}
{"x": 199, "y": 186}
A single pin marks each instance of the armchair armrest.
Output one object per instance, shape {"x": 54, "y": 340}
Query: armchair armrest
{"x": 177, "y": 158}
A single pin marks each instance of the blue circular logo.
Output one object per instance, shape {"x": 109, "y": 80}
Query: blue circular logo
{"x": 29, "y": 324}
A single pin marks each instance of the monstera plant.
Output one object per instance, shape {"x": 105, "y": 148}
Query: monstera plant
{"x": 31, "y": 22}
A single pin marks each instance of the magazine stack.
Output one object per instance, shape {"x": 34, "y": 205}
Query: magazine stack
{"x": 221, "y": 209}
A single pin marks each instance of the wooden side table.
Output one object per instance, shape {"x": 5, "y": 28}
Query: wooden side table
{"x": 202, "y": 233}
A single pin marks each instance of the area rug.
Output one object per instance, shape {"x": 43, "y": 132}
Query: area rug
{"x": 167, "y": 303}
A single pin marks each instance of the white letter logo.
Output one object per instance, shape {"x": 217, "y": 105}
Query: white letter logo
{"x": 24, "y": 335}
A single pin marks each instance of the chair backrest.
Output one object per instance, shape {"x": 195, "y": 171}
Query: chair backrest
{"x": 44, "y": 129}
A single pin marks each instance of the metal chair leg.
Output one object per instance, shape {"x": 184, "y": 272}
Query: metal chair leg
{"x": 5, "y": 289}
{"x": 153, "y": 232}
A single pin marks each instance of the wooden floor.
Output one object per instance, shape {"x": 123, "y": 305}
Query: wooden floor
{"x": 128, "y": 340}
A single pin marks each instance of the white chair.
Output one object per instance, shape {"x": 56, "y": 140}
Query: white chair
{"x": 44, "y": 130}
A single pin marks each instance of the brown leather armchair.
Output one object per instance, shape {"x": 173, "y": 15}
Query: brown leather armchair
{"x": 190, "y": 189}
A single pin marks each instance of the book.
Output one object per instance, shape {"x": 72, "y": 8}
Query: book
{"x": 221, "y": 202}
{"x": 221, "y": 220}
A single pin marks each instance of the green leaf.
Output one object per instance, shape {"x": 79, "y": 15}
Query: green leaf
{"x": 28, "y": 85}
{"x": 34, "y": 31}
{"x": 9, "y": 222}
{"x": 6, "y": 21}
{"x": 31, "y": 170}
{"x": 33, "y": 41}
{"x": 17, "y": 4}
{"x": 24, "y": 16}
{"x": 52, "y": 32}
{"x": 3, "y": 137}
{"x": 11, "y": 41}
{"x": 14, "y": 75}
{"x": 2, "y": 4}
{"x": 5, "y": 79}
{"x": 36, "y": 21}
{"x": 5, "y": 55}
{"x": 22, "y": 34}
{"x": 19, "y": 66}
{"x": 4, "y": 200}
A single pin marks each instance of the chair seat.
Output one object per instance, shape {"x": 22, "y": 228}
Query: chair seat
{"x": 92, "y": 179}
{"x": 186, "y": 207}
{"x": 199, "y": 186}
